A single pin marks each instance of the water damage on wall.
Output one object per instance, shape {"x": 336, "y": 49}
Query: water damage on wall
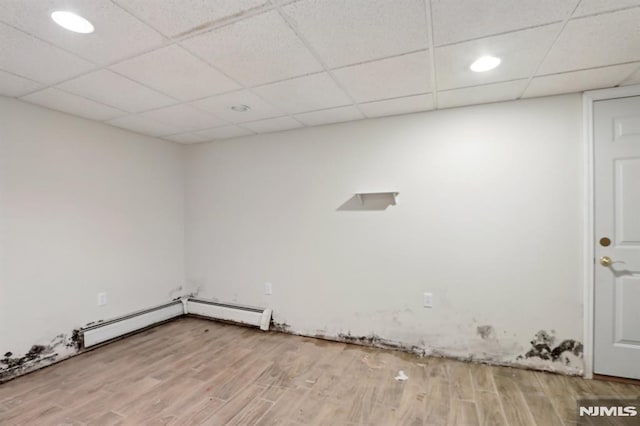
{"x": 375, "y": 341}
{"x": 544, "y": 354}
{"x": 282, "y": 327}
{"x": 489, "y": 346}
{"x": 61, "y": 346}
{"x": 542, "y": 347}
{"x": 486, "y": 332}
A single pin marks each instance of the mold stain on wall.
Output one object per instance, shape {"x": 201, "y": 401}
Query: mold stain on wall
{"x": 281, "y": 327}
{"x": 377, "y": 342}
{"x": 544, "y": 354}
{"x": 568, "y": 351}
{"x": 489, "y": 348}
{"x": 486, "y": 332}
{"x": 61, "y": 346}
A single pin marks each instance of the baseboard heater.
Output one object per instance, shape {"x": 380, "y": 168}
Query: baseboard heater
{"x": 246, "y": 315}
{"x": 105, "y": 331}
{"x": 108, "y": 330}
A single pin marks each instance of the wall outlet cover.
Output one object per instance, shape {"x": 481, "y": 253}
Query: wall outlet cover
{"x": 428, "y": 300}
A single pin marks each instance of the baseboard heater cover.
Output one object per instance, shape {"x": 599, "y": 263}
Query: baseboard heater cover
{"x": 259, "y": 317}
{"x": 107, "y": 330}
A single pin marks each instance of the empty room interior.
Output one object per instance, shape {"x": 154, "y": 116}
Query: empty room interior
{"x": 302, "y": 212}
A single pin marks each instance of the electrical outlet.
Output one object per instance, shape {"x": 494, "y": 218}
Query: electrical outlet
{"x": 428, "y": 300}
{"x": 268, "y": 288}
{"x": 102, "y": 299}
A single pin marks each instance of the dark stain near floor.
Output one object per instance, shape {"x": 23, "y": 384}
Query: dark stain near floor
{"x": 377, "y": 342}
{"x": 403, "y": 351}
{"x": 12, "y": 366}
{"x": 542, "y": 346}
{"x": 572, "y": 346}
{"x": 282, "y": 327}
{"x": 75, "y": 341}
{"x": 486, "y": 332}
{"x": 359, "y": 340}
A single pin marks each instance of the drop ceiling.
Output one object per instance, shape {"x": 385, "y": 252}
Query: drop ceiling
{"x": 174, "y": 68}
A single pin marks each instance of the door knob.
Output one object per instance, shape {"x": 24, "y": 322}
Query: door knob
{"x": 606, "y": 261}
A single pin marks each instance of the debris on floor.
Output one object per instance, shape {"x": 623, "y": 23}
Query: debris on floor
{"x": 401, "y": 376}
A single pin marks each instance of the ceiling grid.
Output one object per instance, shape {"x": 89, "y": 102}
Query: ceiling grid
{"x": 174, "y": 69}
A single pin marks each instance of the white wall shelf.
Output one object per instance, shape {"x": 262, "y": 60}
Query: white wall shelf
{"x": 378, "y": 197}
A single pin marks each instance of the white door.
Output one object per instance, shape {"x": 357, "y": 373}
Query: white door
{"x": 617, "y": 233}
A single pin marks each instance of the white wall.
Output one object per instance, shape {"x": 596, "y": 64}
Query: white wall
{"x": 84, "y": 208}
{"x": 489, "y": 220}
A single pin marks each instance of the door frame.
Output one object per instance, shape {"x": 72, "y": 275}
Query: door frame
{"x": 588, "y": 99}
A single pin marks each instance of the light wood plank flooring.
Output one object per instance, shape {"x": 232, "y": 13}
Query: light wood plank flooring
{"x": 192, "y": 371}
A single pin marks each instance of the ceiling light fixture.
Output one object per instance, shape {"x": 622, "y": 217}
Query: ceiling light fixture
{"x": 72, "y": 22}
{"x": 485, "y": 63}
{"x": 240, "y": 108}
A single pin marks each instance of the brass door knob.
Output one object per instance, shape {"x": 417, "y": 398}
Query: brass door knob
{"x": 606, "y": 261}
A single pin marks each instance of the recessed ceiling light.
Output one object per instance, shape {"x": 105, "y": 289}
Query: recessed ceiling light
{"x": 72, "y": 22}
{"x": 240, "y": 108}
{"x": 485, "y": 63}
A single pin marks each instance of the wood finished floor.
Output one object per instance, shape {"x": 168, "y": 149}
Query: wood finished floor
{"x": 192, "y": 372}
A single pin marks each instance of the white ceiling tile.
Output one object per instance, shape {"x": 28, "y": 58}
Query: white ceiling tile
{"x": 520, "y": 51}
{"x": 117, "y": 33}
{"x": 595, "y": 41}
{"x": 176, "y": 72}
{"x": 347, "y": 32}
{"x": 186, "y": 138}
{"x": 633, "y": 78}
{"x": 72, "y": 104}
{"x": 24, "y": 55}
{"x": 304, "y": 94}
{"x": 256, "y": 50}
{"x": 398, "y": 106}
{"x": 13, "y": 85}
{"x": 387, "y": 78}
{"x": 273, "y": 125}
{"x": 496, "y": 92}
{"x": 221, "y": 105}
{"x": 112, "y": 89}
{"x": 579, "y": 81}
{"x": 178, "y": 17}
{"x": 459, "y": 20}
{"x": 143, "y": 125}
{"x": 591, "y": 7}
{"x": 184, "y": 117}
{"x": 224, "y": 132}
{"x": 327, "y": 116}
